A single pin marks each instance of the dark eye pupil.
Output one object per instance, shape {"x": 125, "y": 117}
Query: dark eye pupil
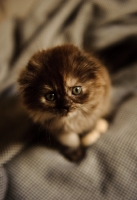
{"x": 50, "y": 97}
{"x": 76, "y": 90}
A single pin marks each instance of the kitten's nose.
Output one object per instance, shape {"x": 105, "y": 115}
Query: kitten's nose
{"x": 66, "y": 108}
{"x": 66, "y": 104}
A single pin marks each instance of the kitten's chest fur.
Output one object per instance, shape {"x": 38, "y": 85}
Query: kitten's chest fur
{"x": 75, "y": 122}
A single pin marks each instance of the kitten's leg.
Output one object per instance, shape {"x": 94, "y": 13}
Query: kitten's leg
{"x": 92, "y": 137}
{"x": 71, "y": 148}
{"x": 69, "y": 139}
{"x": 102, "y": 125}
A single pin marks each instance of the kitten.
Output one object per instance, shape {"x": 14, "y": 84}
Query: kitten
{"x": 67, "y": 91}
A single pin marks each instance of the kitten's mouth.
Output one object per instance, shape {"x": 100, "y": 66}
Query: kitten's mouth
{"x": 64, "y": 112}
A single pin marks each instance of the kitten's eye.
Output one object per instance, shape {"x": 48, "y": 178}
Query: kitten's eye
{"x": 76, "y": 90}
{"x": 50, "y": 96}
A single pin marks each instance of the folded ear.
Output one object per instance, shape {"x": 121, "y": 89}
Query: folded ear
{"x": 34, "y": 65}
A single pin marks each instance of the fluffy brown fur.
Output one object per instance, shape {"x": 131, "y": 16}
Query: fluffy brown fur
{"x": 67, "y": 91}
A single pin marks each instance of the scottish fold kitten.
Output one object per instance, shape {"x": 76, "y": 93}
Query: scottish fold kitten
{"x": 67, "y": 91}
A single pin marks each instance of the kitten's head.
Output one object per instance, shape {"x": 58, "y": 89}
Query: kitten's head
{"x": 61, "y": 80}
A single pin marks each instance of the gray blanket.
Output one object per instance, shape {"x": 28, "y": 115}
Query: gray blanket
{"x": 109, "y": 169}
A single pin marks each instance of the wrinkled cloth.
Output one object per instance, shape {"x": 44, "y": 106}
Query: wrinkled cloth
{"x": 109, "y": 29}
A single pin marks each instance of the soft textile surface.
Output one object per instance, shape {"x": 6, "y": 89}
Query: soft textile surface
{"x": 109, "y": 28}
{"x": 3, "y": 183}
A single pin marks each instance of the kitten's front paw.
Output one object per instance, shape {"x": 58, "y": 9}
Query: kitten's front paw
{"x": 93, "y": 136}
{"x": 74, "y": 155}
{"x": 90, "y": 138}
{"x": 102, "y": 125}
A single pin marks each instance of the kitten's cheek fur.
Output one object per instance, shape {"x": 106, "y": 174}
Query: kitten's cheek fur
{"x": 70, "y": 140}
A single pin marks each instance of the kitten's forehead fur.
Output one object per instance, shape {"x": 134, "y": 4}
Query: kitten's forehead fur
{"x": 64, "y": 63}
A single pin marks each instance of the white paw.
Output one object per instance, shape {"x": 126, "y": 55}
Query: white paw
{"x": 69, "y": 139}
{"x": 90, "y": 138}
{"x": 102, "y": 126}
